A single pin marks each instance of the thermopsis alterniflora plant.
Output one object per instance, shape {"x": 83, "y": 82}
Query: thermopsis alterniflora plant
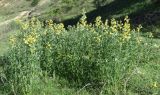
{"x": 106, "y": 56}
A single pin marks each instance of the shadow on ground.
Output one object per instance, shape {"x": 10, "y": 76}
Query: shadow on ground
{"x": 147, "y": 16}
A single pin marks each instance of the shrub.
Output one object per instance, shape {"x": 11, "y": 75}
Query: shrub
{"x": 34, "y": 2}
{"x": 102, "y": 55}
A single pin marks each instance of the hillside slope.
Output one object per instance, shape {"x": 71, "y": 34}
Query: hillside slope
{"x": 143, "y": 12}
{"x": 10, "y": 10}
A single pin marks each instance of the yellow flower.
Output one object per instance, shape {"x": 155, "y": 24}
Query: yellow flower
{"x": 58, "y": 28}
{"x": 120, "y": 25}
{"x": 50, "y": 23}
{"x": 126, "y": 36}
{"x": 83, "y": 21}
{"x": 33, "y": 21}
{"x": 25, "y": 26}
{"x": 98, "y": 21}
{"x": 29, "y": 40}
{"x": 126, "y": 26}
{"x": 61, "y": 26}
{"x": 113, "y": 25}
{"x": 12, "y": 40}
{"x": 126, "y": 19}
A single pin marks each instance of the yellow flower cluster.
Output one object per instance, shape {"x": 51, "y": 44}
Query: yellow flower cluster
{"x": 30, "y": 39}
{"x": 127, "y": 26}
{"x": 126, "y": 29}
{"x": 114, "y": 25}
{"x": 115, "y": 29}
{"x": 34, "y": 22}
{"x": 98, "y": 21}
{"x": 25, "y": 26}
{"x": 58, "y": 28}
{"x": 126, "y": 36}
{"x": 12, "y": 40}
{"x": 83, "y": 21}
{"x": 50, "y": 23}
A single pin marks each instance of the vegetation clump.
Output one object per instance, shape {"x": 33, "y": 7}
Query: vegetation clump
{"x": 34, "y": 2}
{"x": 107, "y": 56}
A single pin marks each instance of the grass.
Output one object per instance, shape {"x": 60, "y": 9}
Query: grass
{"x": 7, "y": 13}
{"x": 13, "y": 7}
{"x": 5, "y": 32}
{"x": 3, "y": 47}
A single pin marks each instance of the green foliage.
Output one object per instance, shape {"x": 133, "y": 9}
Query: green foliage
{"x": 104, "y": 56}
{"x": 34, "y": 2}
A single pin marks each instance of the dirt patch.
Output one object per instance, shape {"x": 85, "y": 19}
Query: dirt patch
{"x": 1, "y": 3}
{"x": 23, "y": 14}
{"x": 4, "y": 4}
